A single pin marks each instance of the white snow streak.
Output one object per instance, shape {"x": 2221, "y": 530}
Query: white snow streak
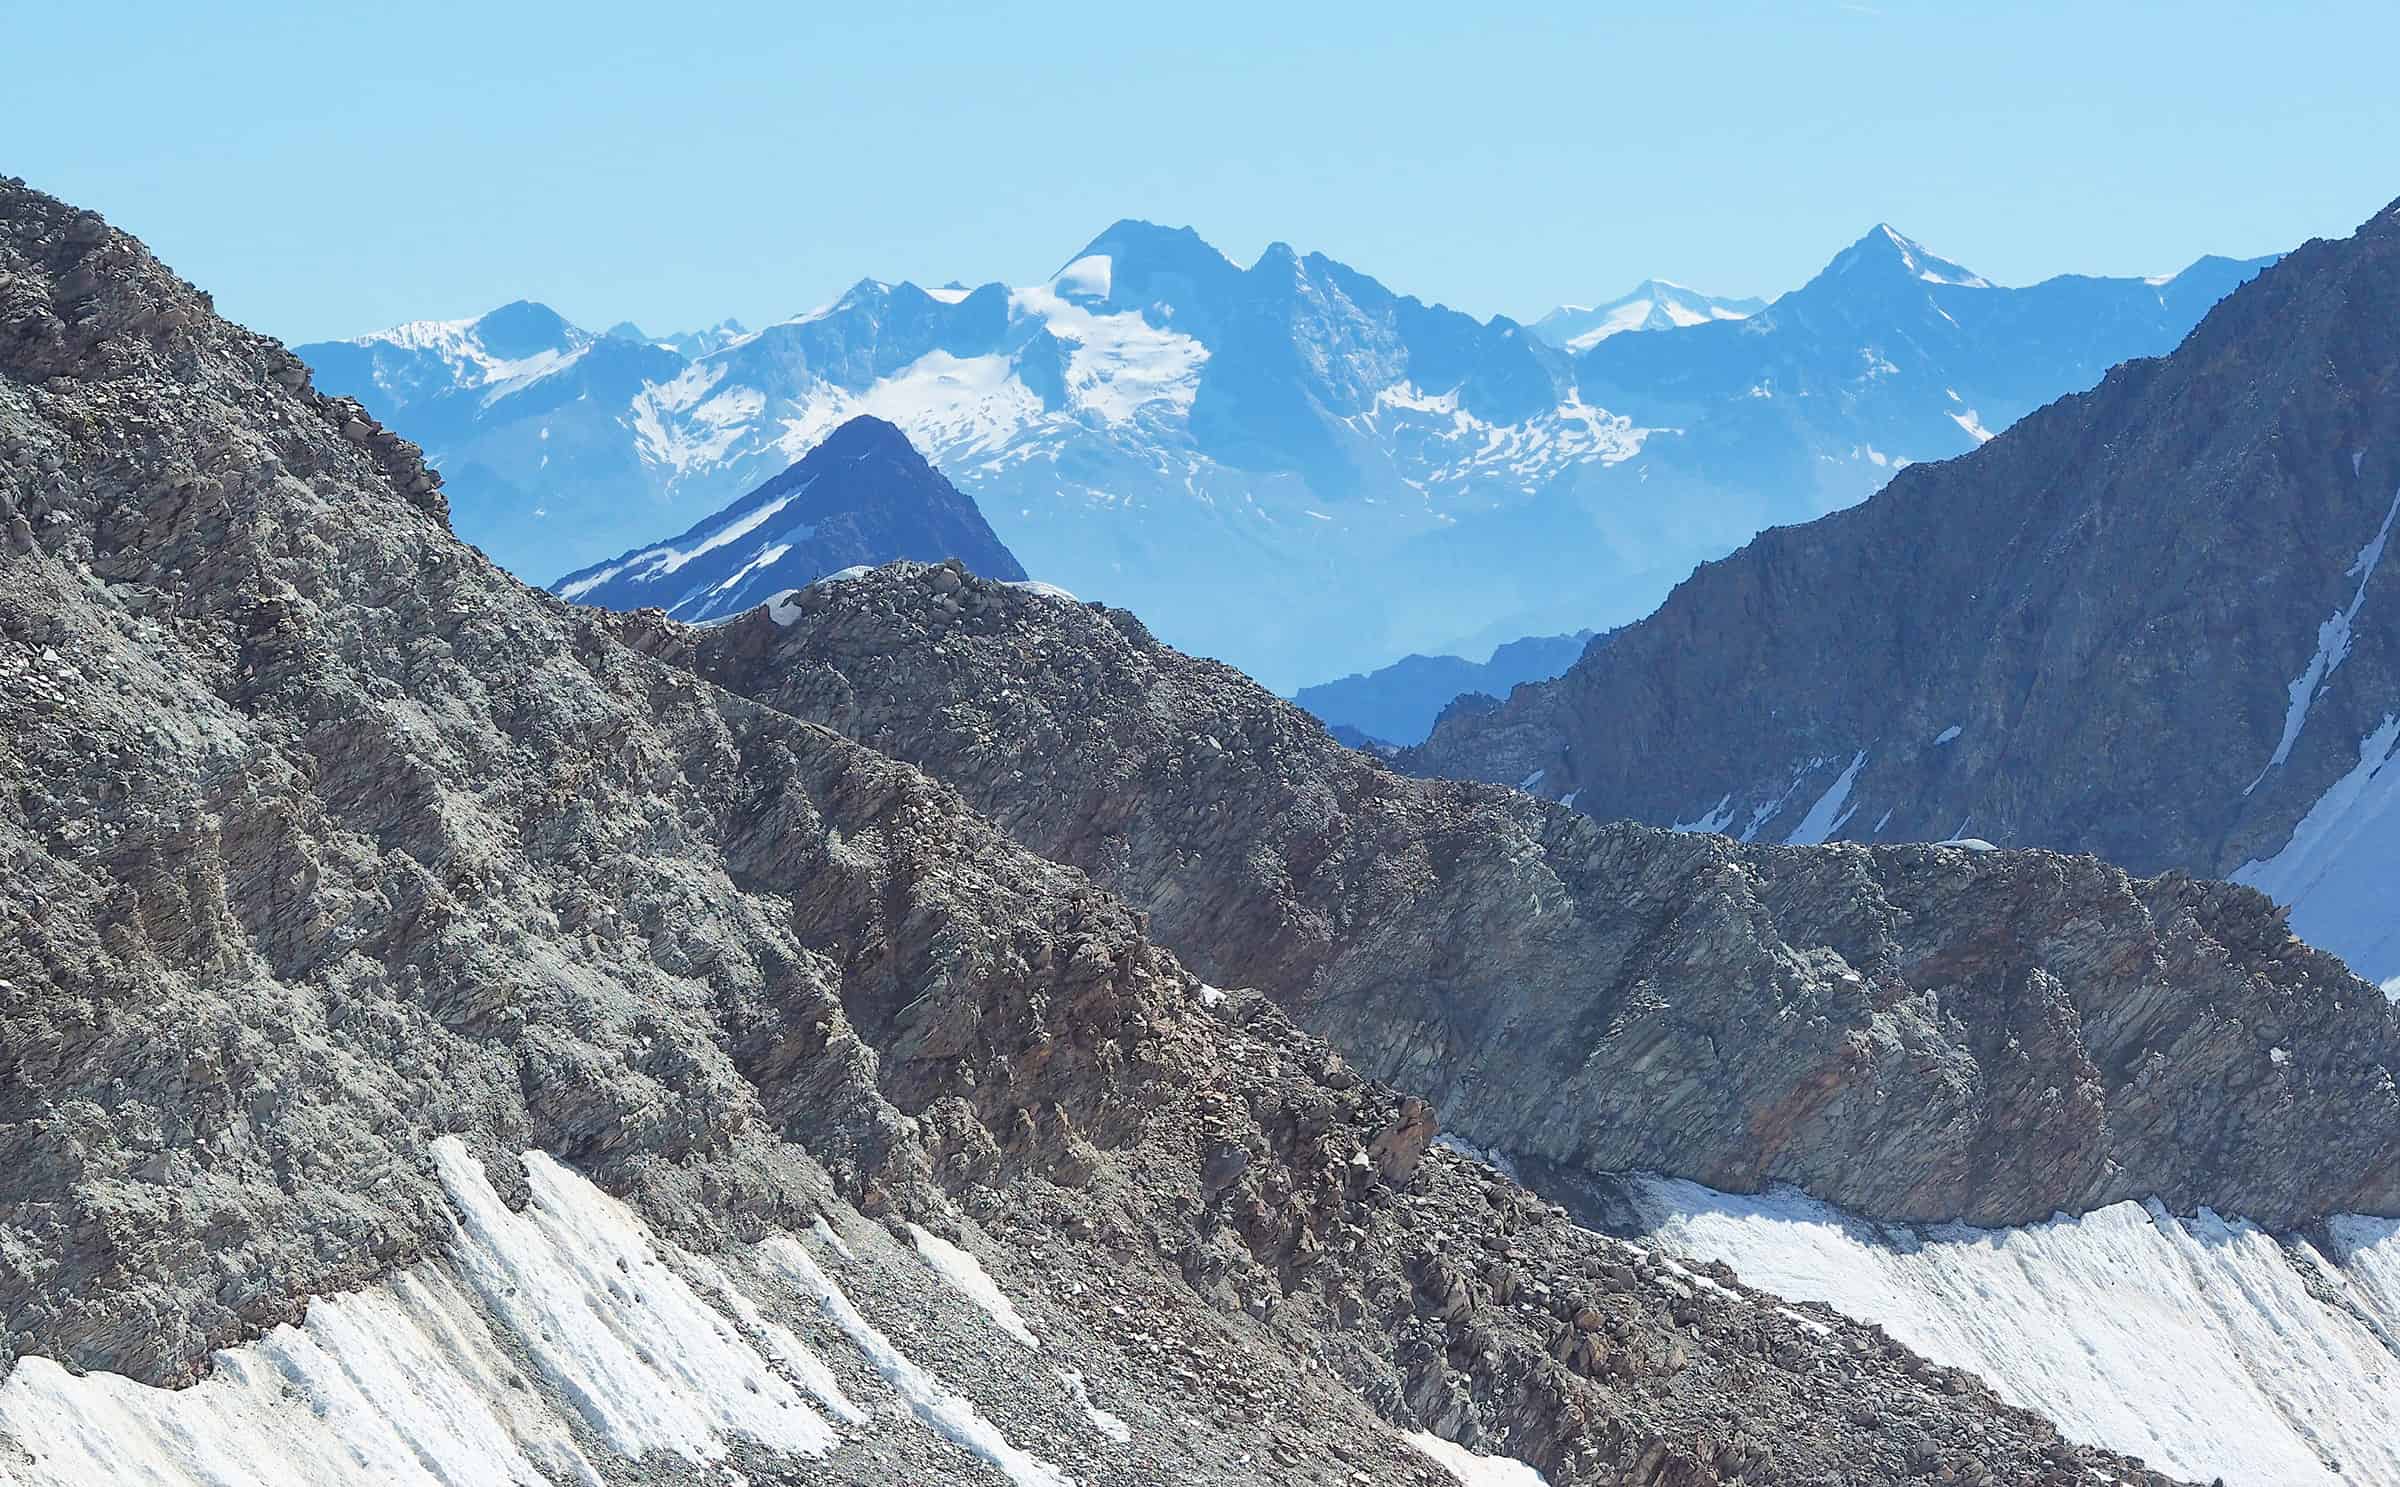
{"x": 1973, "y": 426}
{"x": 1827, "y": 816}
{"x": 410, "y": 1382}
{"x": 2333, "y": 646}
{"x": 658, "y": 562}
{"x": 402, "y": 1385}
{"x": 1107, "y": 1424}
{"x": 965, "y": 1274}
{"x": 928, "y": 1400}
{"x": 1712, "y": 821}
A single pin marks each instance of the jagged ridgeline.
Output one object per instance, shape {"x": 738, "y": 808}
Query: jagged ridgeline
{"x": 441, "y": 1042}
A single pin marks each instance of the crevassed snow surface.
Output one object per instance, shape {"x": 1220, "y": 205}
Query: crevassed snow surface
{"x": 2194, "y": 1343}
{"x": 1473, "y": 1470}
{"x": 2338, "y": 871}
{"x": 2333, "y": 646}
{"x": 966, "y": 1275}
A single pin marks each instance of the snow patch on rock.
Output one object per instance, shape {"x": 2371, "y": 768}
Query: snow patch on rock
{"x": 2336, "y": 872}
{"x": 965, "y": 1274}
{"x": 1473, "y": 1470}
{"x": 2197, "y": 1343}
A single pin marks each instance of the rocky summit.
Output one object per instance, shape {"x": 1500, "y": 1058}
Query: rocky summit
{"x": 441, "y": 1040}
{"x": 2155, "y": 621}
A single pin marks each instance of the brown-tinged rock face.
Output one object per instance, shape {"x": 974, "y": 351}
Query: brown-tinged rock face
{"x": 323, "y": 840}
{"x": 1911, "y": 1032}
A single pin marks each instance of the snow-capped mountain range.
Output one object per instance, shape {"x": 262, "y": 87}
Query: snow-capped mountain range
{"x": 1285, "y": 465}
{"x": 1654, "y": 304}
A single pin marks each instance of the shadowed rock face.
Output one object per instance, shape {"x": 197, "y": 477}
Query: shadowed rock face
{"x": 1911, "y": 1032}
{"x": 2156, "y": 622}
{"x": 324, "y": 839}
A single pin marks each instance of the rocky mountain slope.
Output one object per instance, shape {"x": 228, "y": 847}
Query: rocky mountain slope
{"x": 1278, "y": 463}
{"x": 1911, "y": 1031}
{"x": 1397, "y": 704}
{"x": 2153, "y": 622}
{"x": 863, "y": 497}
{"x": 524, "y": 1061}
{"x": 1917, "y": 1033}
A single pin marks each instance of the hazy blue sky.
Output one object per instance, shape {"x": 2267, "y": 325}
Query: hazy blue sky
{"x": 327, "y": 169}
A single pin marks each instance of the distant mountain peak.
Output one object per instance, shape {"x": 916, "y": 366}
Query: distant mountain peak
{"x": 1134, "y": 236}
{"x": 1135, "y": 263}
{"x": 863, "y": 435}
{"x": 1885, "y": 249}
{"x": 1653, "y": 304}
{"x": 523, "y": 328}
{"x": 1154, "y": 411}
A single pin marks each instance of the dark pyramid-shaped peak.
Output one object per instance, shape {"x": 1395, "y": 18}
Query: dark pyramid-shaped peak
{"x": 864, "y": 436}
{"x": 525, "y": 327}
{"x": 626, "y": 330}
{"x": 863, "y": 496}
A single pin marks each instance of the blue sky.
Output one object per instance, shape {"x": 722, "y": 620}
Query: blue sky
{"x": 329, "y": 169}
